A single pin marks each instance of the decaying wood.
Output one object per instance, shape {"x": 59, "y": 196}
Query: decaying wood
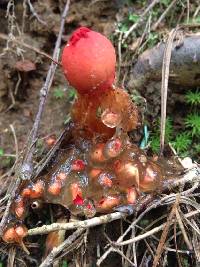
{"x": 184, "y": 65}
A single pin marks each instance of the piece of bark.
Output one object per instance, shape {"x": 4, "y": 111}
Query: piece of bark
{"x": 184, "y": 65}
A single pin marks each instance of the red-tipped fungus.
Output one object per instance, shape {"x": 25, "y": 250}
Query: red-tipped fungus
{"x": 37, "y": 190}
{"x": 107, "y": 203}
{"x": 76, "y": 194}
{"x": 78, "y": 165}
{"x": 61, "y": 176}
{"x": 19, "y": 208}
{"x": 88, "y": 61}
{"x": 131, "y": 195}
{"x": 99, "y": 169}
{"x": 14, "y": 234}
{"x": 55, "y": 188}
{"x": 9, "y": 235}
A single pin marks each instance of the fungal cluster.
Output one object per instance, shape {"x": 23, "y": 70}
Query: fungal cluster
{"x": 99, "y": 169}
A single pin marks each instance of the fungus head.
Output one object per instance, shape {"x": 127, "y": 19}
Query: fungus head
{"x": 88, "y": 61}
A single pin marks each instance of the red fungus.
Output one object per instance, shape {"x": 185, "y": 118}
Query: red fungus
{"x": 88, "y": 61}
{"x": 61, "y": 176}
{"x": 9, "y": 235}
{"x": 19, "y": 208}
{"x": 78, "y": 200}
{"x": 78, "y": 165}
{"x": 76, "y": 193}
{"x": 131, "y": 195}
{"x": 55, "y": 188}
{"x": 107, "y": 203}
{"x": 114, "y": 170}
{"x": 37, "y": 189}
{"x": 15, "y": 234}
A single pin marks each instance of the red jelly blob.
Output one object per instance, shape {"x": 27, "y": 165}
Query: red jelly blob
{"x": 88, "y": 61}
{"x": 78, "y": 200}
{"x": 78, "y": 165}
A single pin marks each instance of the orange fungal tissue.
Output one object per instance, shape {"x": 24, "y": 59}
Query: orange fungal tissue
{"x": 98, "y": 169}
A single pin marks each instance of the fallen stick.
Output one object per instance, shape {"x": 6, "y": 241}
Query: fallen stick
{"x": 184, "y": 65}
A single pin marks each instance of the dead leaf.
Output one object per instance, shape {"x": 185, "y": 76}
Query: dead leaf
{"x": 25, "y": 65}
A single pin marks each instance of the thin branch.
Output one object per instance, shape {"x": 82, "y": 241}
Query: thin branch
{"x": 164, "y": 85}
{"x": 80, "y": 224}
{"x": 164, "y": 234}
{"x": 153, "y": 231}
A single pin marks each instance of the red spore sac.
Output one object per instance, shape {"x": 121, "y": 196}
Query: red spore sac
{"x": 88, "y": 61}
{"x": 127, "y": 173}
{"x": 107, "y": 203}
{"x": 15, "y": 234}
{"x": 113, "y": 148}
{"x": 78, "y": 165}
{"x": 78, "y": 200}
{"x": 37, "y": 189}
{"x": 9, "y": 235}
{"x": 151, "y": 178}
{"x": 131, "y": 195}
{"x": 19, "y": 208}
{"x": 76, "y": 193}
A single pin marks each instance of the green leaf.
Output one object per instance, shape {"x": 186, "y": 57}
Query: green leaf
{"x": 64, "y": 264}
{"x": 71, "y": 94}
{"x": 182, "y": 142}
{"x": 192, "y": 122}
{"x": 123, "y": 28}
{"x": 1, "y": 152}
{"x": 196, "y": 20}
{"x": 155, "y": 144}
{"x": 193, "y": 98}
{"x": 165, "y": 2}
{"x": 133, "y": 17}
{"x": 58, "y": 93}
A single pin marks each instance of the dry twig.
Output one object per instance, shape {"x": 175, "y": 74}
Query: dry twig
{"x": 164, "y": 85}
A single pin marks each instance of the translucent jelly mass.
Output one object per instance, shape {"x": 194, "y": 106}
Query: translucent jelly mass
{"x": 100, "y": 169}
{"x": 93, "y": 178}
